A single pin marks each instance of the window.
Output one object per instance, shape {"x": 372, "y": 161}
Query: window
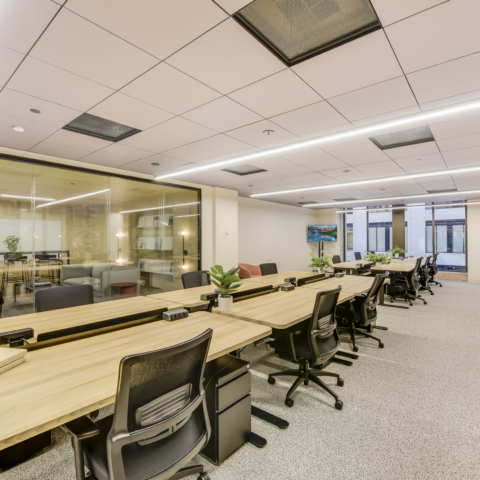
{"x": 356, "y": 233}
{"x": 379, "y": 230}
{"x": 350, "y": 237}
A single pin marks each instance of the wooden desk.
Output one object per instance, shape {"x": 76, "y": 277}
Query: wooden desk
{"x": 351, "y": 265}
{"x": 61, "y": 383}
{"x": 190, "y": 297}
{"x": 66, "y": 318}
{"x": 395, "y": 267}
{"x": 280, "y": 309}
{"x": 277, "y": 279}
{"x": 350, "y": 283}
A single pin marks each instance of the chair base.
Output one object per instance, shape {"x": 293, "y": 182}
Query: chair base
{"x": 435, "y": 282}
{"x": 354, "y": 331}
{"x": 185, "y": 472}
{"x": 306, "y": 374}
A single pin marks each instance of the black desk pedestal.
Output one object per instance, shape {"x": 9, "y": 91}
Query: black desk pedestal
{"x": 23, "y": 450}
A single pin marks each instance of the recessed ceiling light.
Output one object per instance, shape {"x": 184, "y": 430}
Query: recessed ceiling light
{"x": 269, "y": 132}
{"x": 155, "y": 164}
{"x": 243, "y": 170}
{"x": 418, "y": 160}
{"x": 18, "y": 129}
{"x": 34, "y": 110}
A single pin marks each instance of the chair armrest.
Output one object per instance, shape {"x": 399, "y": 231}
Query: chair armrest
{"x": 82, "y": 428}
{"x": 292, "y": 344}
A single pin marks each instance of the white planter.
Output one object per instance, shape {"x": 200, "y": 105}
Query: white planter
{"x": 225, "y": 304}
{"x": 397, "y": 255}
{"x": 17, "y": 263}
{"x": 378, "y": 264}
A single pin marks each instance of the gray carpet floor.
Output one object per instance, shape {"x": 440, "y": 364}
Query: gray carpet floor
{"x": 411, "y": 410}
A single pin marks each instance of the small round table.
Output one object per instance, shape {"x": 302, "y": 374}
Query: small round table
{"x": 127, "y": 289}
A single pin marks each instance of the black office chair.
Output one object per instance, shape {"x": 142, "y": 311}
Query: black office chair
{"x": 66, "y": 296}
{"x": 315, "y": 347}
{"x": 433, "y": 271}
{"x": 160, "y": 421}
{"x": 357, "y": 316}
{"x": 358, "y": 256}
{"x": 425, "y": 276}
{"x": 406, "y": 285}
{"x": 336, "y": 259}
{"x": 196, "y": 279}
{"x": 268, "y": 268}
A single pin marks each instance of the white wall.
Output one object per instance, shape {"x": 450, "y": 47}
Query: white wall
{"x": 272, "y": 232}
{"x": 473, "y": 234}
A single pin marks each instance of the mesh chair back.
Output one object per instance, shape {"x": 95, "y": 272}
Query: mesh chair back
{"x": 434, "y": 268}
{"x": 196, "y": 279}
{"x": 268, "y": 268}
{"x": 369, "y": 306}
{"x": 159, "y": 393}
{"x": 323, "y": 339}
{"x": 358, "y": 256}
{"x": 63, "y": 297}
{"x": 336, "y": 259}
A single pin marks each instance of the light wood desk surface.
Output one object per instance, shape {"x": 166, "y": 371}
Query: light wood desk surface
{"x": 280, "y": 309}
{"x": 61, "y": 383}
{"x": 351, "y": 265}
{"x": 190, "y": 297}
{"x": 279, "y": 278}
{"x": 396, "y": 266}
{"x": 350, "y": 283}
{"x": 64, "y": 318}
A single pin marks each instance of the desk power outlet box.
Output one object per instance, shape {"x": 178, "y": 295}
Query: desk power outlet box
{"x": 176, "y": 314}
{"x": 339, "y": 274}
{"x": 209, "y": 296}
{"x": 290, "y": 279}
{"x": 286, "y": 288}
{"x": 16, "y": 338}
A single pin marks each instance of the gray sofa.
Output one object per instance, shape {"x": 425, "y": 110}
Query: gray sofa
{"x": 100, "y": 276}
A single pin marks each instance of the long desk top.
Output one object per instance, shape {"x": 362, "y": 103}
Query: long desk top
{"x": 350, "y": 283}
{"x": 61, "y": 383}
{"x": 280, "y": 309}
{"x": 191, "y": 297}
{"x": 279, "y": 278}
{"x": 351, "y": 264}
{"x": 65, "y": 318}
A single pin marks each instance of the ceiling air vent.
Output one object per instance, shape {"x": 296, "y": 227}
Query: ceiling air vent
{"x": 306, "y": 203}
{"x": 243, "y": 170}
{"x": 100, "y": 127}
{"x": 344, "y": 199}
{"x": 403, "y": 138}
{"x": 295, "y": 30}
{"x": 443, "y": 190}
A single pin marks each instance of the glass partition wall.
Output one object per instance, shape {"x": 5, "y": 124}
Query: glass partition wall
{"x": 67, "y": 227}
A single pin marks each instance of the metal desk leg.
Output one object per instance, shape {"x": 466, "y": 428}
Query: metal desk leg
{"x": 381, "y": 301}
{"x": 269, "y": 418}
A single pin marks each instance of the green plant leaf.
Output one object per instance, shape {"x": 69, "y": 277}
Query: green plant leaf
{"x": 218, "y": 269}
{"x": 219, "y": 285}
{"x": 219, "y": 278}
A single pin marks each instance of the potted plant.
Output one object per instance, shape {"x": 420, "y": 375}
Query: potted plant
{"x": 379, "y": 259}
{"x": 226, "y": 283}
{"x": 12, "y": 242}
{"x": 397, "y": 251}
{"x": 320, "y": 263}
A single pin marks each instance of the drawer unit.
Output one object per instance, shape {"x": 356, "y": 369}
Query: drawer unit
{"x": 228, "y": 383}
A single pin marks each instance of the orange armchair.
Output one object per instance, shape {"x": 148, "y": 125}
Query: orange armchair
{"x": 249, "y": 271}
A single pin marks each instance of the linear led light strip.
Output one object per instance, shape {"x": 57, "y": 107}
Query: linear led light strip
{"x": 459, "y": 204}
{"x": 73, "y": 198}
{"x": 328, "y": 138}
{"x": 194, "y": 215}
{"x": 465, "y": 192}
{"x": 28, "y": 198}
{"x": 160, "y": 208}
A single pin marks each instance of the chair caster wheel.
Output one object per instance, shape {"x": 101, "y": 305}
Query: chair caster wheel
{"x": 355, "y": 349}
{"x": 289, "y": 402}
{"x": 203, "y": 476}
{"x": 441, "y": 286}
{"x": 424, "y": 303}
{"x": 338, "y": 404}
{"x": 391, "y": 300}
{"x": 381, "y": 345}
{"x": 305, "y": 382}
{"x": 271, "y": 380}
{"x": 340, "y": 382}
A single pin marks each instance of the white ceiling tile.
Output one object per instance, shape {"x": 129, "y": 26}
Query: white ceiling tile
{"x": 226, "y": 58}
{"x": 353, "y": 147}
{"x": 307, "y": 155}
{"x": 292, "y": 171}
{"x": 226, "y": 156}
{"x": 276, "y": 94}
{"x": 318, "y": 116}
{"x": 456, "y": 158}
{"x": 19, "y": 104}
{"x": 160, "y": 28}
{"x": 307, "y": 180}
{"x": 188, "y": 153}
{"x": 364, "y": 158}
{"x": 53, "y": 84}
{"x": 437, "y": 35}
{"x": 381, "y": 191}
{"x": 78, "y": 46}
{"x": 404, "y": 112}
{"x": 454, "y": 128}
{"x": 49, "y": 147}
{"x": 459, "y": 143}
{"x": 454, "y": 100}
{"x": 9, "y": 60}
{"x": 178, "y": 92}
{"x": 341, "y": 175}
{"x": 326, "y": 131}
{"x": 412, "y": 150}
{"x": 470, "y": 181}
{"x": 233, "y": 6}
{"x": 381, "y": 169}
{"x": 220, "y": 145}
{"x": 130, "y": 111}
{"x": 33, "y": 134}
{"x": 391, "y": 11}
{"x": 253, "y": 135}
{"x": 167, "y": 165}
{"x": 222, "y": 115}
{"x": 169, "y": 135}
{"x": 375, "y": 100}
{"x": 354, "y": 65}
{"x": 325, "y": 165}
{"x": 22, "y": 22}
{"x": 446, "y": 80}
{"x": 78, "y": 141}
{"x": 116, "y": 155}
{"x": 426, "y": 163}
{"x": 443, "y": 182}
{"x": 273, "y": 163}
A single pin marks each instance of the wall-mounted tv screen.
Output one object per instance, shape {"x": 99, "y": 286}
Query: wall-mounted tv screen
{"x": 322, "y": 233}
